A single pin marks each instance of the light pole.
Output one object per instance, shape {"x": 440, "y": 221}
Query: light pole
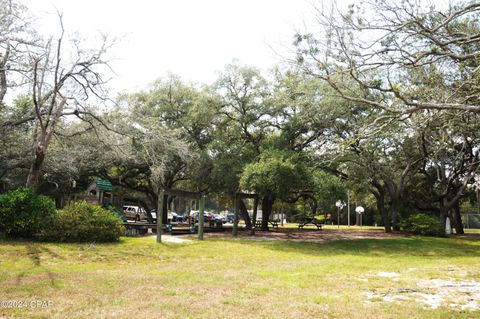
{"x": 360, "y": 210}
{"x": 348, "y": 208}
{"x": 340, "y": 204}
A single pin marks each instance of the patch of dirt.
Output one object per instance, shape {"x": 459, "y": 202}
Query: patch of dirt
{"x": 464, "y": 295}
{"x": 308, "y": 235}
{"x": 173, "y": 239}
{"x": 386, "y": 274}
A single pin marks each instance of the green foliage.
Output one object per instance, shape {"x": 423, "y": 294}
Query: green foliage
{"x": 83, "y": 222}
{"x": 422, "y": 224}
{"x": 328, "y": 189}
{"x": 24, "y": 213}
{"x": 276, "y": 172}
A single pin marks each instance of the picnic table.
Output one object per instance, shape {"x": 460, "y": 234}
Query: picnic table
{"x": 309, "y": 220}
{"x": 274, "y": 223}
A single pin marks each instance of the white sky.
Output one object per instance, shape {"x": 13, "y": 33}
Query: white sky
{"x": 194, "y": 39}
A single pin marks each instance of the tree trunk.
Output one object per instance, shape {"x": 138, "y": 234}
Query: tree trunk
{"x": 267, "y": 204}
{"x": 457, "y": 219}
{"x": 254, "y": 216}
{"x": 395, "y": 214}
{"x": 385, "y": 218}
{"x": 3, "y": 73}
{"x": 394, "y": 190}
{"x": 445, "y": 207}
{"x": 147, "y": 209}
{"x": 42, "y": 138}
{"x": 33, "y": 179}
{"x": 443, "y": 218}
{"x": 164, "y": 209}
{"x": 244, "y": 214}
{"x": 380, "y": 197}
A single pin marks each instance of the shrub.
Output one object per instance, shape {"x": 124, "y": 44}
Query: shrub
{"x": 83, "y": 222}
{"x": 320, "y": 218}
{"x": 24, "y": 213}
{"x": 422, "y": 224}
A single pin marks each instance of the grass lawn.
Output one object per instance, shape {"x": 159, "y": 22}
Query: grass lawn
{"x": 226, "y": 278}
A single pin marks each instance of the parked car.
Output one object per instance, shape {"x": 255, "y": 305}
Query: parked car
{"x": 134, "y": 212}
{"x": 230, "y": 218}
{"x": 171, "y": 217}
{"x": 178, "y": 218}
{"x": 220, "y": 219}
{"x": 207, "y": 216}
{"x": 153, "y": 212}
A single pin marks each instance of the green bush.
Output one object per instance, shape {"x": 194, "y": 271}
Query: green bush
{"x": 24, "y": 213}
{"x": 422, "y": 224}
{"x": 83, "y": 222}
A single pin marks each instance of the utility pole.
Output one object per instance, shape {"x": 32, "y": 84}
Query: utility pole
{"x": 348, "y": 207}
{"x": 338, "y": 217}
{"x": 359, "y": 210}
{"x": 340, "y": 204}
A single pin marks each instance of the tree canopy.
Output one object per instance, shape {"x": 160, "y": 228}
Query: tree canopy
{"x": 380, "y": 101}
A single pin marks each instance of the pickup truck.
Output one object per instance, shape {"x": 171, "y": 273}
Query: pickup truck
{"x": 134, "y": 212}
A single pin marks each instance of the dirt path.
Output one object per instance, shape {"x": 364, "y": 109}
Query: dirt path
{"x": 309, "y": 235}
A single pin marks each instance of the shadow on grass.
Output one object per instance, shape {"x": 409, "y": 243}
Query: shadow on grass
{"x": 427, "y": 247}
{"x": 34, "y": 252}
{"x": 394, "y": 247}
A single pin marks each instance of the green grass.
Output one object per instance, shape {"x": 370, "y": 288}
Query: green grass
{"x": 472, "y": 231}
{"x": 231, "y": 278}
